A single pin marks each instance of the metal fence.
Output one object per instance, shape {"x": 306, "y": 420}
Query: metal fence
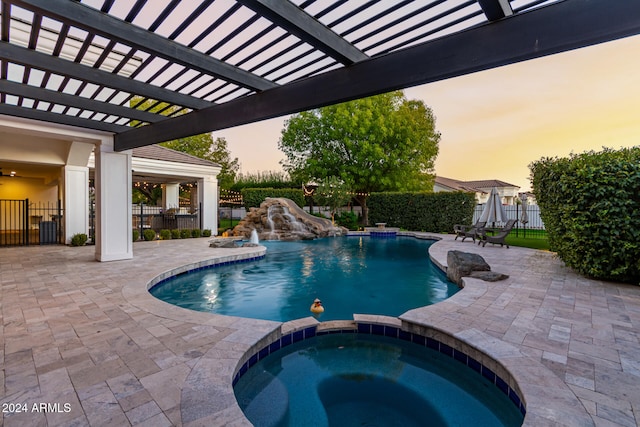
{"x": 532, "y": 229}
{"x": 23, "y": 223}
{"x": 155, "y": 218}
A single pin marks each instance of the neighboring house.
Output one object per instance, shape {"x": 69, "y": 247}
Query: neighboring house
{"x": 508, "y": 192}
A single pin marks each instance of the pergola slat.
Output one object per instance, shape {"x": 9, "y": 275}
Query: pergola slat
{"x": 55, "y": 97}
{"x": 84, "y": 17}
{"x": 19, "y": 55}
{"x": 45, "y": 116}
{"x": 305, "y": 27}
{"x": 293, "y": 58}
{"x": 567, "y": 25}
{"x": 496, "y": 9}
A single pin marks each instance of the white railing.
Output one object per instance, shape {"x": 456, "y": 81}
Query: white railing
{"x": 515, "y": 212}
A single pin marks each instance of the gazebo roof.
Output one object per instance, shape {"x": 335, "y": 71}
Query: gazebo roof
{"x": 158, "y": 152}
{"x": 151, "y": 71}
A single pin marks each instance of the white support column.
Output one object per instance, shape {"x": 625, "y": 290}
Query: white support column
{"x": 113, "y": 203}
{"x": 170, "y": 196}
{"x": 76, "y": 200}
{"x": 208, "y": 198}
{"x": 75, "y": 189}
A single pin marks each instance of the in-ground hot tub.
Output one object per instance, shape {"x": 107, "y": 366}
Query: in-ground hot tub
{"x": 374, "y": 375}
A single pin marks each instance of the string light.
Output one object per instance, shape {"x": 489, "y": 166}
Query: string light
{"x": 230, "y": 197}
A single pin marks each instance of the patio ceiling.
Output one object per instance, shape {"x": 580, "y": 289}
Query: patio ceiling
{"x": 151, "y": 71}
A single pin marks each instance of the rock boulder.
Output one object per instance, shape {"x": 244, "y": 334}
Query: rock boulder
{"x": 463, "y": 264}
{"x": 282, "y": 219}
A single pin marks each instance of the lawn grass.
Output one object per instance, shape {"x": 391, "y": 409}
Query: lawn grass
{"x": 528, "y": 242}
{"x": 535, "y": 239}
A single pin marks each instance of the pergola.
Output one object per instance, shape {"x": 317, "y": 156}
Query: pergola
{"x": 151, "y": 71}
{"x": 121, "y": 74}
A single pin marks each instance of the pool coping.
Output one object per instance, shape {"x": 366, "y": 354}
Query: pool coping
{"x": 547, "y": 398}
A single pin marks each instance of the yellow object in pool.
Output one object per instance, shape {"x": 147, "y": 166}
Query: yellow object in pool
{"x": 317, "y": 307}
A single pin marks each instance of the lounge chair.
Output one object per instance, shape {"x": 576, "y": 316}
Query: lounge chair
{"x": 499, "y": 237}
{"x": 465, "y": 231}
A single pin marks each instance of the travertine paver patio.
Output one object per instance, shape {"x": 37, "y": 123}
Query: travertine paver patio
{"x": 87, "y": 334}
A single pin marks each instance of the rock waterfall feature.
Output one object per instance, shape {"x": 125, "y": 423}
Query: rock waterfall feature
{"x": 282, "y": 219}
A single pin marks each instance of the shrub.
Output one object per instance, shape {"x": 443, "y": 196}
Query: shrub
{"x": 268, "y": 179}
{"x": 185, "y": 233}
{"x": 79, "y": 239}
{"x": 435, "y": 212}
{"x": 136, "y": 235}
{"x": 196, "y": 232}
{"x": 589, "y": 204}
{"x": 206, "y": 233}
{"x": 175, "y": 233}
{"x": 347, "y": 219}
{"x": 165, "y": 234}
{"x": 149, "y": 234}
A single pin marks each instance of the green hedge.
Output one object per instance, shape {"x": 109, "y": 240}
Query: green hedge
{"x": 435, "y": 212}
{"x": 252, "y": 197}
{"x": 589, "y": 203}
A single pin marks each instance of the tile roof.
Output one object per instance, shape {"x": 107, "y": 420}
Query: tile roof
{"x": 472, "y": 186}
{"x": 489, "y": 183}
{"x": 454, "y": 184}
{"x": 158, "y": 152}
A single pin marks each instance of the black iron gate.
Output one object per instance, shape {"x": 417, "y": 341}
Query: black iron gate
{"x": 23, "y": 223}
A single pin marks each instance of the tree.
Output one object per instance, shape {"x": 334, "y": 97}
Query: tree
{"x": 333, "y": 193}
{"x": 205, "y": 147}
{"x": 380, "y": 143}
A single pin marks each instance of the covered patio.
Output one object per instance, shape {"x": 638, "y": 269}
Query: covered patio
{"x": 48, "y": 187}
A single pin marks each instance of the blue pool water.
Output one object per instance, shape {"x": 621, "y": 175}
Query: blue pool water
{"x": 364, "y": 380}
{"x": 349, "y": 274}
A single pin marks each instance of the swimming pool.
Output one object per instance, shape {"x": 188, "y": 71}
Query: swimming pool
{"x": 349, "y": 274}
{"x": 366, "y": 380}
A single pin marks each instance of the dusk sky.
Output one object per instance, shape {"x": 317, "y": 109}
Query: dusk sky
{"x": 494, "y": 123}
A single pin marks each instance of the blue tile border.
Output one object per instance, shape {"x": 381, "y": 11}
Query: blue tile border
{"x": 392, "y": 332}
{"x": 206, "y": 267}
{"x": 383, "y": 234}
